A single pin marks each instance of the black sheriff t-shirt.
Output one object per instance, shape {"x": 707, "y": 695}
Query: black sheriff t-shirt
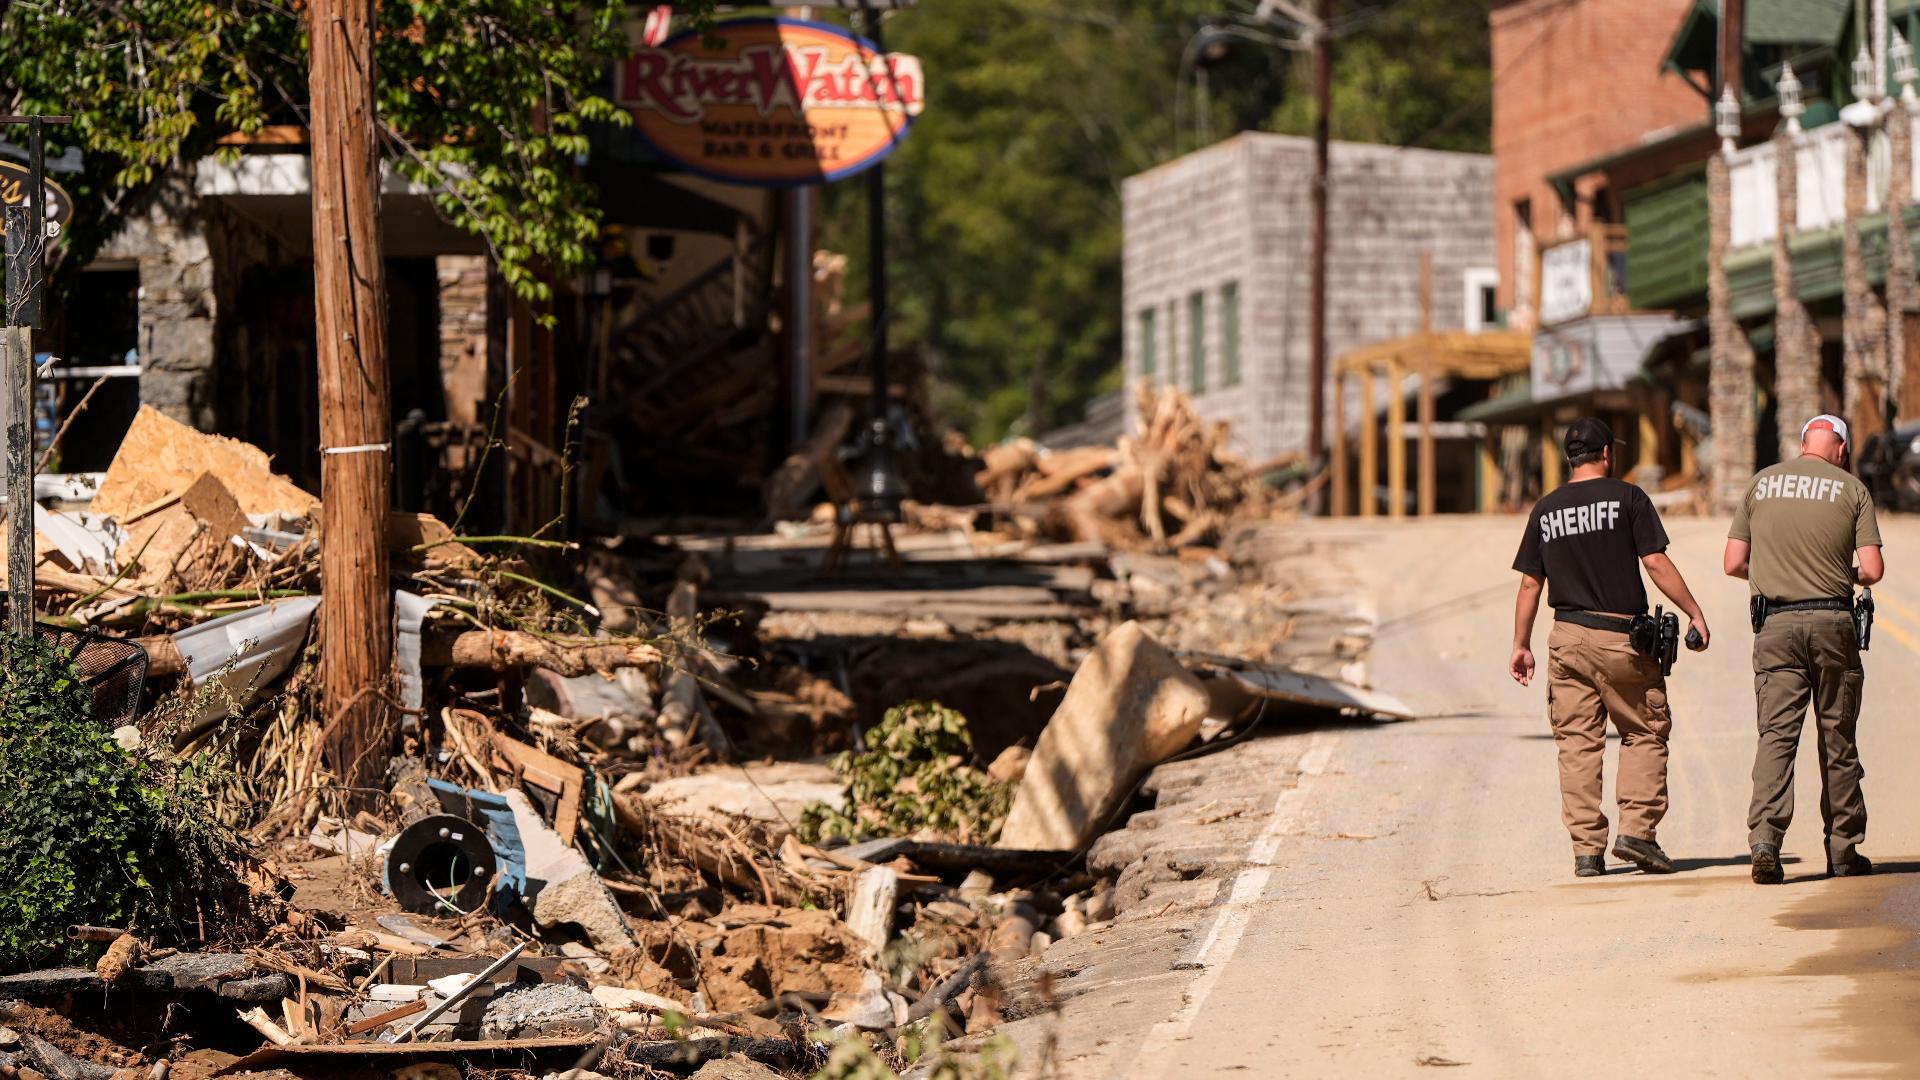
{"x": 1586, "y": 538}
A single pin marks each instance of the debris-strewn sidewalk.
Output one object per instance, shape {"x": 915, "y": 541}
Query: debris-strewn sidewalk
{"x": 747, "y": 800}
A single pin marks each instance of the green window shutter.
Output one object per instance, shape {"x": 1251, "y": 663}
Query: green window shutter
{"x": 1149, "y": 343}
{"x": 1197, "y": 342}
{"x": 1667, "y": 242}
{"x": 1230, "y": 334}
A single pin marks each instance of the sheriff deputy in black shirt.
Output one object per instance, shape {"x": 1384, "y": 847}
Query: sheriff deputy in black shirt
{"x": 1585, "y": 542}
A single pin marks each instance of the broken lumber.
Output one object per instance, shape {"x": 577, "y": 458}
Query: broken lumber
{"x": 497, "y": 650}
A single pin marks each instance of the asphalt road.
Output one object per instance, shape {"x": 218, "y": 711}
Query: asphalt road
{"x": 1412, "y": 907}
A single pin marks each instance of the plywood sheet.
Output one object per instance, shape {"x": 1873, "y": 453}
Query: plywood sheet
{"x": 161, "y": 457}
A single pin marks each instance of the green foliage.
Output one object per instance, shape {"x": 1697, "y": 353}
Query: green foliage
{"x": 853, "y": 1059}
{"x": 1417, "y": 73}
{"x": 484, "y": 101}
{"x": 88, "y": 832}
{"x": 916, "y": 777}
{"x": 1004, "y": 202}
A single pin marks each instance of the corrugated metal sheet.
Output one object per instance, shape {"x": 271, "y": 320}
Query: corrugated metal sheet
{"x": 1667, "y": 242}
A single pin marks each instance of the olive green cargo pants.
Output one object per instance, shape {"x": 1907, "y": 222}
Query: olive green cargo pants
{"x": 1802, "y": 658}
{"x": 1594, "y": 676}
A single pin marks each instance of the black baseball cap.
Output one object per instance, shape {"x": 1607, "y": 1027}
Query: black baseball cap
{"x": 1587, "y": 435}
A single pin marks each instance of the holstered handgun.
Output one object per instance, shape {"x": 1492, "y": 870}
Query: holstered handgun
{"x": 1863, "y": 618}
{"x": 1657, "y": 636}
{"x": 1757, "y": 607}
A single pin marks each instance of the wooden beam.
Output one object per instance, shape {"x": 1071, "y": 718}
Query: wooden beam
{"x": 1549, "y": 457}
{"x": 1369, "y": 445}
{"x": 1489, "y": 471}
{"x": 1339, "y": 478}
{"x": 1648, "y": 457}
{"x": 1396, "y": 441}
{"x": 1427, "y": 475}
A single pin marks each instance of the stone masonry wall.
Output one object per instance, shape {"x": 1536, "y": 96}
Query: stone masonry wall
{"x": 463, "y": 334}
{"x": 167, "y": 238}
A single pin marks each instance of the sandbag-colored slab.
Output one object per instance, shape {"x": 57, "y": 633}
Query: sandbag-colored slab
{"x": 1130, "y": 706}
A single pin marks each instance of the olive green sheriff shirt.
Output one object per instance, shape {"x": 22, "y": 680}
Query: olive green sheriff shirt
{"x": 1804, "y": 519}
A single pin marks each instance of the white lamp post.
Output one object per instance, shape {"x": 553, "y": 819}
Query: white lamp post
{"x": 1726, "y": 120}
{"x": 1791, "y": 108}
{"x": 1901, "y": 54}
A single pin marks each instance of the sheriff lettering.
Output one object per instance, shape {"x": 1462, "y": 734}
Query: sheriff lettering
{"x": 1798, "y": 486}
{"x": 1585, "y": 518}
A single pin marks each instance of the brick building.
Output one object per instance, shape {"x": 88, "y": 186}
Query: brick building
{"x": 1216, "y": 268}
{"x": 1574, "y": 80}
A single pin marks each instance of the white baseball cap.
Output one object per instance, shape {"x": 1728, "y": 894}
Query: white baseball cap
{"x": 1829, "y": 421}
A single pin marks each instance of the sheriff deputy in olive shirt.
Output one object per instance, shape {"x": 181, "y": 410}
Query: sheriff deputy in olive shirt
{"x": 1795, "y": 537}
{"x": 1586, "y": 542}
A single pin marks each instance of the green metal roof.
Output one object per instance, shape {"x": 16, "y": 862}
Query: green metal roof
{"x": 1776, "y": 22}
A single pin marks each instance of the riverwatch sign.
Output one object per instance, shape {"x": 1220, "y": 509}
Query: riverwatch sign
{"x": 772, "y": 102}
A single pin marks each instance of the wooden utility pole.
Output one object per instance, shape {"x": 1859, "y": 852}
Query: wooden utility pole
{"x": 350, "y": 314}
{"x": 1322, "y": 127}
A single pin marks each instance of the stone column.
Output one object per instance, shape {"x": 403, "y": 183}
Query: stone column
{"x": 1796, "y": 342}
{"x": 1901, "y": 298}
{"x": 1730, "y": 376}
{"x": 177, "y": 306}
{"x": 1864, "y": 324}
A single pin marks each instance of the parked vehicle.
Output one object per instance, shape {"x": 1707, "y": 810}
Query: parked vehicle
{"x": 1890, "y": 465}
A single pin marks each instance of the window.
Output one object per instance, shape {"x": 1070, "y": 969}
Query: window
{"x": 1197, "y": 342}
{"x": 1230, "y": 334}
{"x": 1481, "y": 305}
{"x": 1173, "y": 341}
{"x": 1149, "y": 343}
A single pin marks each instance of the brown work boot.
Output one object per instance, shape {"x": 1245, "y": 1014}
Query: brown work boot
{"x": 1766, "y": 865}
{"x": 1589, "y": 865}
{"x": 1857, "y": 865}
{"x": 1644, "y": 854}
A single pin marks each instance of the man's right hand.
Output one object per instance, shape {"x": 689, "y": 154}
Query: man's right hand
{"x": 1521, "y": 666}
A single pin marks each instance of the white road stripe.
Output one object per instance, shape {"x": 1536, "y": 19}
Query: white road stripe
{"x": 1157, "y": 1053}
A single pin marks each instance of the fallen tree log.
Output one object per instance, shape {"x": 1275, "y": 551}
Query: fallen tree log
{"x": 498, "y": 650}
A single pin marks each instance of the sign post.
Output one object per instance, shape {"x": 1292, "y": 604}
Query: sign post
{"x": 25, "y": 300}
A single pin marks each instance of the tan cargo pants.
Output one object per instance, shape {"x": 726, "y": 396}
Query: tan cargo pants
{"x": 1801, "y": 658}
{"x": 1594, "y": 676}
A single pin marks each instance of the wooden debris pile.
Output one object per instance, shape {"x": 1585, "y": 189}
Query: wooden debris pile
{"x": 1176, "y": 484}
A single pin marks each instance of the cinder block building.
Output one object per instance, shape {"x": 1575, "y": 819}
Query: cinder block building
{"x": 1217, "y": 278}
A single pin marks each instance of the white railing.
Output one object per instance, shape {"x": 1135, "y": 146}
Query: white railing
{"x": 1821, "y": 162}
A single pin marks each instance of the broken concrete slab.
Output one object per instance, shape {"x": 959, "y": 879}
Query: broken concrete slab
{"x": 1130, "y": 706}
{"x": 774, "y": 792}
{"x": 737, "y": 1067}
{"x": 566, "y": 889}
{"x": 533, "y": 1009}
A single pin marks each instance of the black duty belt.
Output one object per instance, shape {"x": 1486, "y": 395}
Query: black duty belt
{"x": 1593, "y": 621}
{"x": 1775, "y": 607}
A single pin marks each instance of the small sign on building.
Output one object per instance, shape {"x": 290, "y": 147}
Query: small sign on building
{"x": 1566, "y": 282}
{"x": 771, "y": 102}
